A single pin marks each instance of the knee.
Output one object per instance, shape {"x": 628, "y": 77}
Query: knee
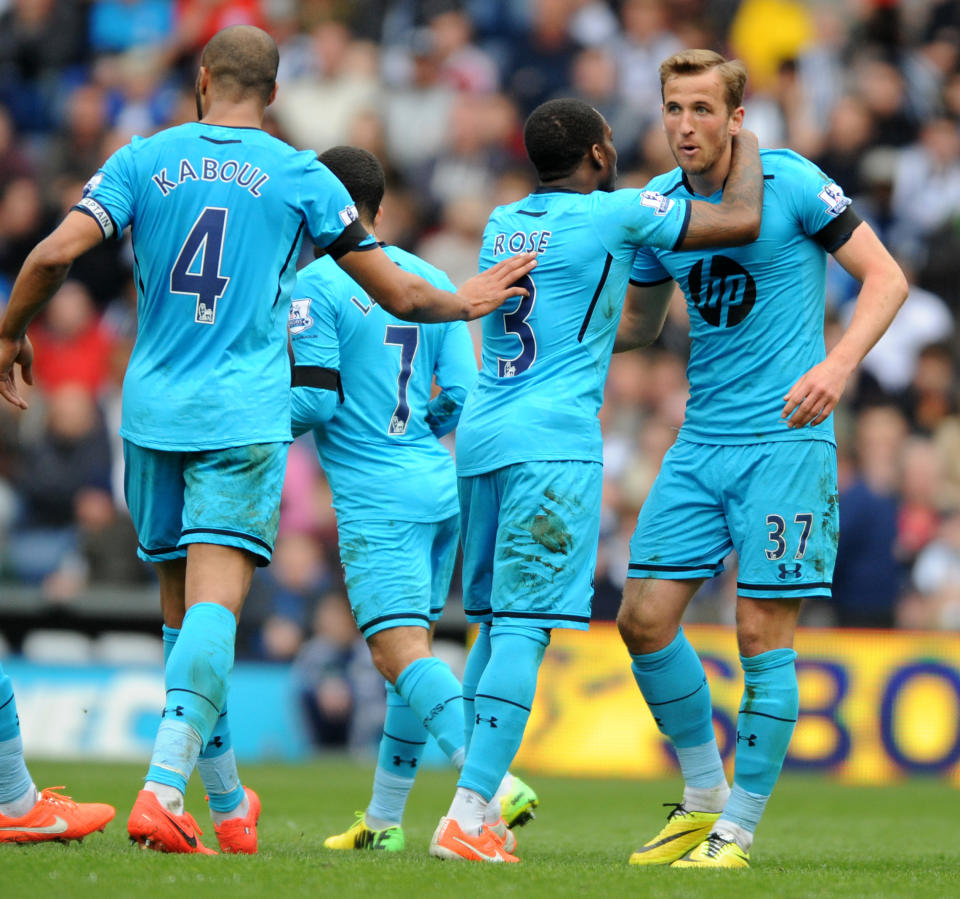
{"x": 640, "y": 631}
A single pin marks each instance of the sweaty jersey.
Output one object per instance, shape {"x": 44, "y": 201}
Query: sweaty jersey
{"x": 379, "y": 448}
{"x": 217, "y": 216}
{"x": 756, "y": 311}
{"x": 546, "y": 355}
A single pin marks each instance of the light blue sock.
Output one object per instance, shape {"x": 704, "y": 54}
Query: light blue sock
{"x": 765, "y": 723}
{"x": 15, "y": 780}
{"x": 674, "y": 685}
{"x": 477, "y": 660}
{"x": 217, "y": 764}
{"x": 429, "y": 687}
{"x": 503, "y": 700}
{"x": 197, "y": 671}
{"x": 401, "y": 748}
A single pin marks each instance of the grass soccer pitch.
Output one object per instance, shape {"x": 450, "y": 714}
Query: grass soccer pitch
{"x": 818, "y": 838}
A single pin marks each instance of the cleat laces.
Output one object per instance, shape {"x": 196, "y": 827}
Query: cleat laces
{"x": 715, "y": 844}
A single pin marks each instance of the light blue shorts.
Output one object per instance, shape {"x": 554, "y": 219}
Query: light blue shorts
{"x": 397, "y": 572}
{"x": 530, "y": 535}
{"x": 774, "y": 503}
{"x": 230, "y": 497}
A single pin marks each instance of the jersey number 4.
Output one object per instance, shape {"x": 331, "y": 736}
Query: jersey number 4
{"x": 197, "y": 269}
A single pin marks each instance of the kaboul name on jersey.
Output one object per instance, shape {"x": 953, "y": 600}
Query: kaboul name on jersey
{"x": 227, "y": 171}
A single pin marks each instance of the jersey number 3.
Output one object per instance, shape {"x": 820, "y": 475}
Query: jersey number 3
{"x": 197, "y": 269}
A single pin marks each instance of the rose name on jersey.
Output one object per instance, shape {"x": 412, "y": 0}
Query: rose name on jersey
{"x": 521, "y": 242}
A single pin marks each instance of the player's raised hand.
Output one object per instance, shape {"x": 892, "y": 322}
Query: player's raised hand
{"x": 488, "y": 290}
{"x": 815, "y": 395}
{"x": 15, "y": 352}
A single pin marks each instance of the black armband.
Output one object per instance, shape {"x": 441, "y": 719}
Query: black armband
{"x": 836, "y": 233}
{"x": 349, "y": 240}
{"x": 317, "y": 376}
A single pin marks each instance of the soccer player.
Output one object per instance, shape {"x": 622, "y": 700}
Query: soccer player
{"x": 362, "y": 382}
{"x": 217, "y": 210}
{"x": 529, "y": 445}
{"x": 754, "y": 465}
{"x": 29, "y": 816}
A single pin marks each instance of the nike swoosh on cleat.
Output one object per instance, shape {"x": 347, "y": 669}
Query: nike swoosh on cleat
{"x": 58, "y": 826}
{"x": 191, "y": 840}
{"x": 490, "y": 858}
{"x": 669, "y": 839}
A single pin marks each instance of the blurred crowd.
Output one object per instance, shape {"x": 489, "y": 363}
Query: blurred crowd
{"x": 439, "y": 89}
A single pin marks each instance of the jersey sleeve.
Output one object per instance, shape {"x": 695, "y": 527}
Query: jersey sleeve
{"x": 316, "y": 387}
{"x": 109, "y": 196}
{"x": 824, "y": 210}
{"x": 456, "y": 373}
{"x": 330, "y": 214}
{"x": 644, "y": 218}
{"x": 647, "y": 270}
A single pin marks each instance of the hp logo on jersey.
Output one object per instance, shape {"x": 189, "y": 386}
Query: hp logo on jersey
{"x": 300, "y": 318}
{"x": 722, "y": 291}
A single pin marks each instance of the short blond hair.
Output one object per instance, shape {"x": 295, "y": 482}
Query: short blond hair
{"x": 733, "y": 73}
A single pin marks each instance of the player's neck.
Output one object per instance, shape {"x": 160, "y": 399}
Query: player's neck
{"x": 706, "y": 184}
{"x": 233, "y": 115}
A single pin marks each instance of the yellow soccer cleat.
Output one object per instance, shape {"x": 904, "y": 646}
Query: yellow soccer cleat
{"x": 359, "y": 836}
{"x": 683, "y": 832}
{"x": 715, "y": 852}
{"x": 518, "y": 805}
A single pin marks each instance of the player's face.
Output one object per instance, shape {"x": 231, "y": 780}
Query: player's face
{"x": 698, "y": 123}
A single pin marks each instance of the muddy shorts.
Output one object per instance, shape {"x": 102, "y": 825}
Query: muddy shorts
{"x": 529, "y": 534}
{"x": 230, "y": 497}
{"x": 774, "y": 503}
{"x": 397, "y": 572}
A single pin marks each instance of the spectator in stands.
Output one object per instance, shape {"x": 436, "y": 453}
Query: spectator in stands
{"x": 340, "y": 690}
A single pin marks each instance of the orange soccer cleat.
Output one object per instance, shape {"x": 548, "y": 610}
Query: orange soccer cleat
{"x": 56, "y": 817}
{"x": 151, "y": 826}
{"x": 450, "y": 842}
{"x": 239, "y": 835}
{"x": 504, "y": 835}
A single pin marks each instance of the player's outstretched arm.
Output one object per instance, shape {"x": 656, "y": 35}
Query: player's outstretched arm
{"x": 736, "y": 219}
{"x": 882, "y": 292}
{"x": 409, "y": 297}
{"x": 644, "y": 312}
{"x": 42, "y": 274}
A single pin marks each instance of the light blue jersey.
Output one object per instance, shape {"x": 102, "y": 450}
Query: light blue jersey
{"x": 379, "y": 448}
{"x": 217, "y": 216}
{"x": 756, "y": 311}
{"x": 545, "y": 356}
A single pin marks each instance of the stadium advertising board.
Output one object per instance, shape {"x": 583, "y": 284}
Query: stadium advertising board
{"x": 874, "y": 705}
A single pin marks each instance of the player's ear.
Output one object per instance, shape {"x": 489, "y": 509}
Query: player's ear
{"x": 377, "y": 217}
{"x": 736, "y": 121}
{"x": 598, "y": 157}
{"x": 273, "y": 94}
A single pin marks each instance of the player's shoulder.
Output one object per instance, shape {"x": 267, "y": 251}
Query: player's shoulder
{"x": 323, "y": 277}
{"x": 412, "y": 263}
{"x": 669, "y": 183}
{"x": 785, "y": 162}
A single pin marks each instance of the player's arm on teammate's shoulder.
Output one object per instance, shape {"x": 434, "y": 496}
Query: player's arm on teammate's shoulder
{"x": 644, "y": 312}
{"x": 410, "y": 297}
{"x": 41, "y": 275}
{"x": 883, "y": 288}
{"x": 736, "y": 219}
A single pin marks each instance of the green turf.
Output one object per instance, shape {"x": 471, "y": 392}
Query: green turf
{"x": 817, "y": 839}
